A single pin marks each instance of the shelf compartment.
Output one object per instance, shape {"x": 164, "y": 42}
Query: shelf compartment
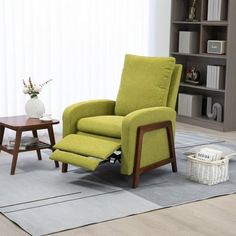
{"x": 205, "y": 10}
{"x": 212, "y": 33}
{"x": 217, "y": 96}
{"x": 176, "y": 28}
{"x": 181, "y": 9}
{"x": 200, "y": 63}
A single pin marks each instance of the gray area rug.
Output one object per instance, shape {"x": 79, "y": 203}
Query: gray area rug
{"x": 190, "y": 139}
{"x": 42, "y": 200}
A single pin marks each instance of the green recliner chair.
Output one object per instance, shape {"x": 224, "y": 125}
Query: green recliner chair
{"x": 138, "y": 128}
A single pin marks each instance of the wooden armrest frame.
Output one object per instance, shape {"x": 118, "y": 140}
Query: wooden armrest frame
{"x": 138, "y": 150}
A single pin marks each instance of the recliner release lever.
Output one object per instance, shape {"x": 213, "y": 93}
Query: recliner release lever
{"x": 116, "y": 156}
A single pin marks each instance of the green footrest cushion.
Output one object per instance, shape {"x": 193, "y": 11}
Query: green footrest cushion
{"x": 94, "y": 146}
{"x": 89, "y": 163}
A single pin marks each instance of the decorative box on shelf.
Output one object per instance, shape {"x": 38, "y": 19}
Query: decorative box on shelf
{"x": 216, "y": 47}
{"x": 188, "y": 42}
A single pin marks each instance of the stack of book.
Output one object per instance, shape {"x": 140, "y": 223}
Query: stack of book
{"x": 215, "y": 77}
{"x": 209, "y": 154}
{"x": 26, "y": 142}
{"x": 216, "y": 10}
{"x": 189, "y": 105}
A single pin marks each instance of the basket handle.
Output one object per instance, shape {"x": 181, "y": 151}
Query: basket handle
{"x": 219, "y": 162}
{"x": 229, "y": 156}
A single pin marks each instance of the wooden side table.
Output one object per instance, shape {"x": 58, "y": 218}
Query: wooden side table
{"x": 21, "y": 124}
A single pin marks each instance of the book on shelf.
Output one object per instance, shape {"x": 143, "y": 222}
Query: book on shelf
{"x": 26, "y": 141}
{"x": 209, "y": 10}
{"x": 216, "y": 10}
{"x": 215, "y": 77}
{"x": 189, "y": 105}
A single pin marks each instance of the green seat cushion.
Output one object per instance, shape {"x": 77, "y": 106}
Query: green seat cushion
{"x": 145, "y": 83}
{"x": 102, "y": 125}
{"x": 92, "y": 146}
{"x": 89, "y": 163}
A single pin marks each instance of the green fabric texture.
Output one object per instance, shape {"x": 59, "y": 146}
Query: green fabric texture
{"x": 102, "y": 125}
{"x": 155, "y": 146}
{"x": 158, "y": 152}
{"x": 89, "y": 163}
{"x": 88, "y": 146}
{"x": 145, "y": 83}
{"x": 147, "y": 95}
{"x": 75, "y": 112}
{"x": 174, "y": 86}
{"x": 100, "y": 137}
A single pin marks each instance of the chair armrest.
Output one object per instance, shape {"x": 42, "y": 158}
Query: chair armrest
{"x": 129, "y": 132}
{"x": 76, "y": 111}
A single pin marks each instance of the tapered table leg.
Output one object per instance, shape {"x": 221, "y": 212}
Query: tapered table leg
{"x": 52, "y": 141}
{"x": 35, "y": 134}
{"x": 16, "y": 151}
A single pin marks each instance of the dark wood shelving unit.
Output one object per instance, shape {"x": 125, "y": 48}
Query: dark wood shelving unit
{"x": 208, "y": 30}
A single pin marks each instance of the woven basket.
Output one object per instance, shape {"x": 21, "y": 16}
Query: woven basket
{"x": 207, "y": 172}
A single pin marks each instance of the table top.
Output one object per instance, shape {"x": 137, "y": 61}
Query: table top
{"x": 24, "y": 122}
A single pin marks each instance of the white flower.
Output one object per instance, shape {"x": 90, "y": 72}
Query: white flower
{"x": 25, "y": 90}
{"x": 37, "y": 88}
{"x": 32, "y": 89}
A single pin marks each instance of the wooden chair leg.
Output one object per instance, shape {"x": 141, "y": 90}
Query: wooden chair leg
{"x": 137, "y": 158}
{"x": 174, "y": 166}
{"x": 135, "y": 180}
{"x": 171, "y": 147}
{"x": 64, "y": 167}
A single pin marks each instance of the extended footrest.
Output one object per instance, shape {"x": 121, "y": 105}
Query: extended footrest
{"x": 90, "y": 163}
{"x": 84, "y": 150}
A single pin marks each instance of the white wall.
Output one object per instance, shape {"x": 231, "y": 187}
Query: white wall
{"x": 159, "y": 30}
{"x": 80, "y": 44}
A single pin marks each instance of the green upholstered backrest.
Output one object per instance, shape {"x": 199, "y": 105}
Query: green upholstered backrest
{"x": 174, "y": 86}
{"x": 145, "y": 83}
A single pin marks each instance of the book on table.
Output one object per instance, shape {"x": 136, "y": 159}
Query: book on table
{"x": 26, "y": 141}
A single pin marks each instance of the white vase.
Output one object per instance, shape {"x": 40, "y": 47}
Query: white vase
{"x": 34, "y": 108}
